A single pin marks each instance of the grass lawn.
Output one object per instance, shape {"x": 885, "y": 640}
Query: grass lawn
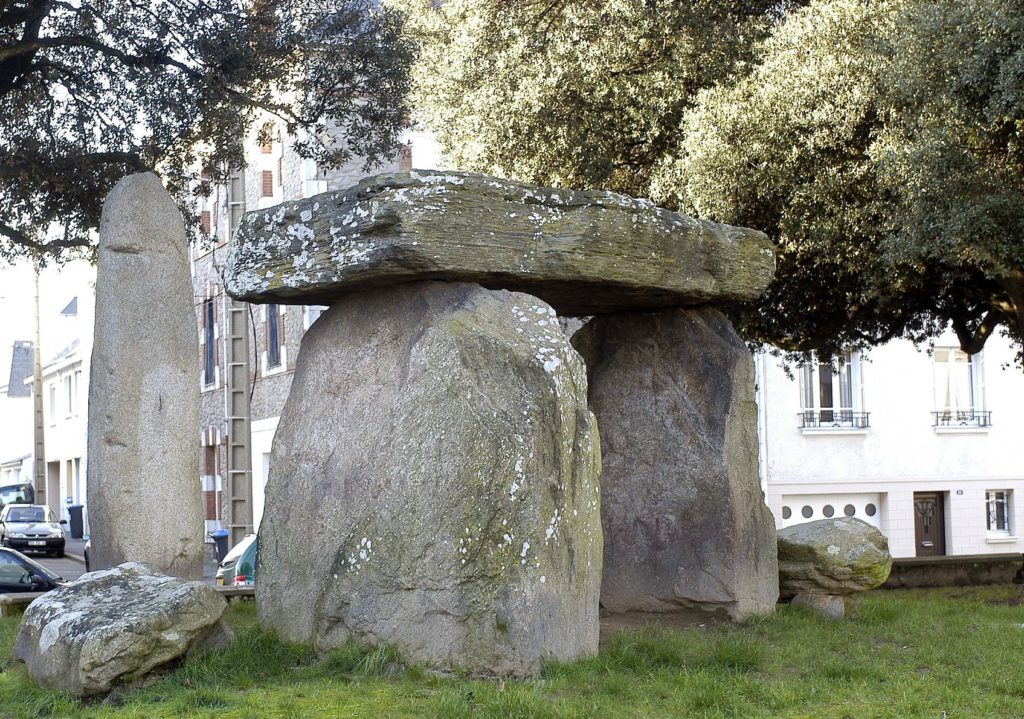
{"x": 916, "y": 653}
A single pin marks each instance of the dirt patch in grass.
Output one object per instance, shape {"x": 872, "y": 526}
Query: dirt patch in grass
{"x": 686, "y": 619}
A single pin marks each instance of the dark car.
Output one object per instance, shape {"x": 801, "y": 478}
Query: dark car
{"x": 31, "y": 527}
{"x": 18, "y": 573}
{"x": 238, "y": 569}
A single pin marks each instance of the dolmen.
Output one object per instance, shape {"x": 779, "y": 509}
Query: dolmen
{"x": 823, "y": 565}
{"x": 438, "y": 481}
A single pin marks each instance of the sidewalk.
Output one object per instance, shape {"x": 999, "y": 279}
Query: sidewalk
{"x": 74, "y": 549}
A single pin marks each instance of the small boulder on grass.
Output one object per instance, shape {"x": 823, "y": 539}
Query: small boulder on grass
{"x": 116, "y": 625}
{"x": 823, "y": 563}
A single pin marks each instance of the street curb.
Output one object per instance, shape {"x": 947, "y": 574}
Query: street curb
{"x": 74, "y": 558}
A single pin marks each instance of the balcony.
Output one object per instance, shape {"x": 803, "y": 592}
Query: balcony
{"x": 834, "y": 420}
{"x": 961, "y": 420}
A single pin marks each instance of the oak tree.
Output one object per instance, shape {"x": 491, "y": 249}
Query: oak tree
{"x": 92, "y": 90}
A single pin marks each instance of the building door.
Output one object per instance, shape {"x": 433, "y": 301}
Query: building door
{"x": 929, "y": 524}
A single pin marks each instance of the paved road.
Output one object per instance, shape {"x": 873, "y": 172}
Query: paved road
{"x": 65, "y": 567}
{"x": 70, "y": 568}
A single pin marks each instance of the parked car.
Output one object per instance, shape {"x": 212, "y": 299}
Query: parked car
{"x": 18, "y": 573}
{"x": 238, "y": 568}
{"x": 21, "y": 493}
{"x": 33, "y": 528}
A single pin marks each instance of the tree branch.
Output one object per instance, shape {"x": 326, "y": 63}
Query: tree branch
{"x": 972, "y": 341}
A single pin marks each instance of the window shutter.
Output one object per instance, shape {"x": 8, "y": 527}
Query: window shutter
{"x": 204, "y": 221}
{"x": 405, "y": 158}
{"x": 267, "y": 181}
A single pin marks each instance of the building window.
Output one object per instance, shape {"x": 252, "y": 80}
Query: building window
{"x": 53, "y": 403}
{"x": 267, "y": 183}
{"x": 209, "y": 344}
{"x": 69, "y": 399}
{"x": 77, "y": 390}
{"x": 204, "y": 222}
{"x": 236, "y": 201}
{"x": 959, "y": 389}
{"x": 997, "y": 501}
{"x": 266, "y": 148}
{"x": 273, "y": 336}
{"x": 830, "y": 394}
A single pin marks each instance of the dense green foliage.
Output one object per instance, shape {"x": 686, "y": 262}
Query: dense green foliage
{"x": 908, "y": 654}
{"x": 91, "y": 91}
{"x": 578, "y": 93}
{"x": 879, "y": 144}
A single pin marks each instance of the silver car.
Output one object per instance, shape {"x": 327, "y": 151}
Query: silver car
{"x": 32, "y": 528}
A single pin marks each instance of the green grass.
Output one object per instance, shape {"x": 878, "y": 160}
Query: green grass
{"x": 926, "y": 653}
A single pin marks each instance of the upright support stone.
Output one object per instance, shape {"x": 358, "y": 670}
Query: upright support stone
{"x": 685, "y": 523}
{"x": 434, "y": 484}
{"x": 143, "y": 493}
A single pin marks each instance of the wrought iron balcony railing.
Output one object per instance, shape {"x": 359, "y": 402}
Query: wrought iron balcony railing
{"x": 834, "y": 419}
{"x": 961, "y": 418}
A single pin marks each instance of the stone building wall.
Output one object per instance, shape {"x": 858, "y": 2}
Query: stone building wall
{"x": 292, "y": 177}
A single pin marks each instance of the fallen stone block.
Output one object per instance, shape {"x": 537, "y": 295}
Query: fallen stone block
{"x": 831, "y": 557}
{"x": 583, "y": 253}
{"x": 115, "y": 625}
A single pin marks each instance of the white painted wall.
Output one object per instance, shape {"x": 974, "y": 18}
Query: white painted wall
{"x": 901, "y": 452}
{"x": 262, "y": 439}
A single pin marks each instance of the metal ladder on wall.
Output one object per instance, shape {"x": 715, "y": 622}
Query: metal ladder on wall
{"x": 238, "y": 418}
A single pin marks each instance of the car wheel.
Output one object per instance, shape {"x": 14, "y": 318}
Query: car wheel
{"x": 59, "y": 554}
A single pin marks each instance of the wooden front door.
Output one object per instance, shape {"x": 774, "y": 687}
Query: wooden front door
{"x": 929, "y": 524}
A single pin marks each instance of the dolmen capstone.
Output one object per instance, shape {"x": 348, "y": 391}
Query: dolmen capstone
{"x": 823, "y": 564}
{"x": 143, "y": 388}
{"x": 435, "y": 479}
{"x": 115, "y": 625}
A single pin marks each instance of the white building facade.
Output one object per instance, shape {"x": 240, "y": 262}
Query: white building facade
{"x": 928, "y": 446}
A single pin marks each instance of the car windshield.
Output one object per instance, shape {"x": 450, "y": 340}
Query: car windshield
{"x": 27, "y": 514}
{"x": 38, "y": 568}
{"x": 236, "y": 551}
{"x": 16, "y": 494}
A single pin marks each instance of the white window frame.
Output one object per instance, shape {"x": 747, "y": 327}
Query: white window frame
{"x": 205, "y": 382}
{"x": 994, "y": 497}
{"x": 235, "y": 201}
{"x": 972, "y": 418}
{"x": 836, "y": 418}
{"x": 69, "y": 402}
{"x": 281, "y": 342}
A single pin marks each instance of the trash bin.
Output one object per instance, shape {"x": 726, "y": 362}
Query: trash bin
{"x": 220, "y": 538}
{"x": 75, "y": 512}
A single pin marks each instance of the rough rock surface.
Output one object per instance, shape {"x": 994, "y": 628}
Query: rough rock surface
{"x": 685, "y": 523}
{"x": 832, "y": 556}
{"x": 434, "y": 484}
{"x": 115, "y": 625}
{"x": 830, "y": 606}
{"x": 144, "y": 388}
{"x": 582, "y": 252}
